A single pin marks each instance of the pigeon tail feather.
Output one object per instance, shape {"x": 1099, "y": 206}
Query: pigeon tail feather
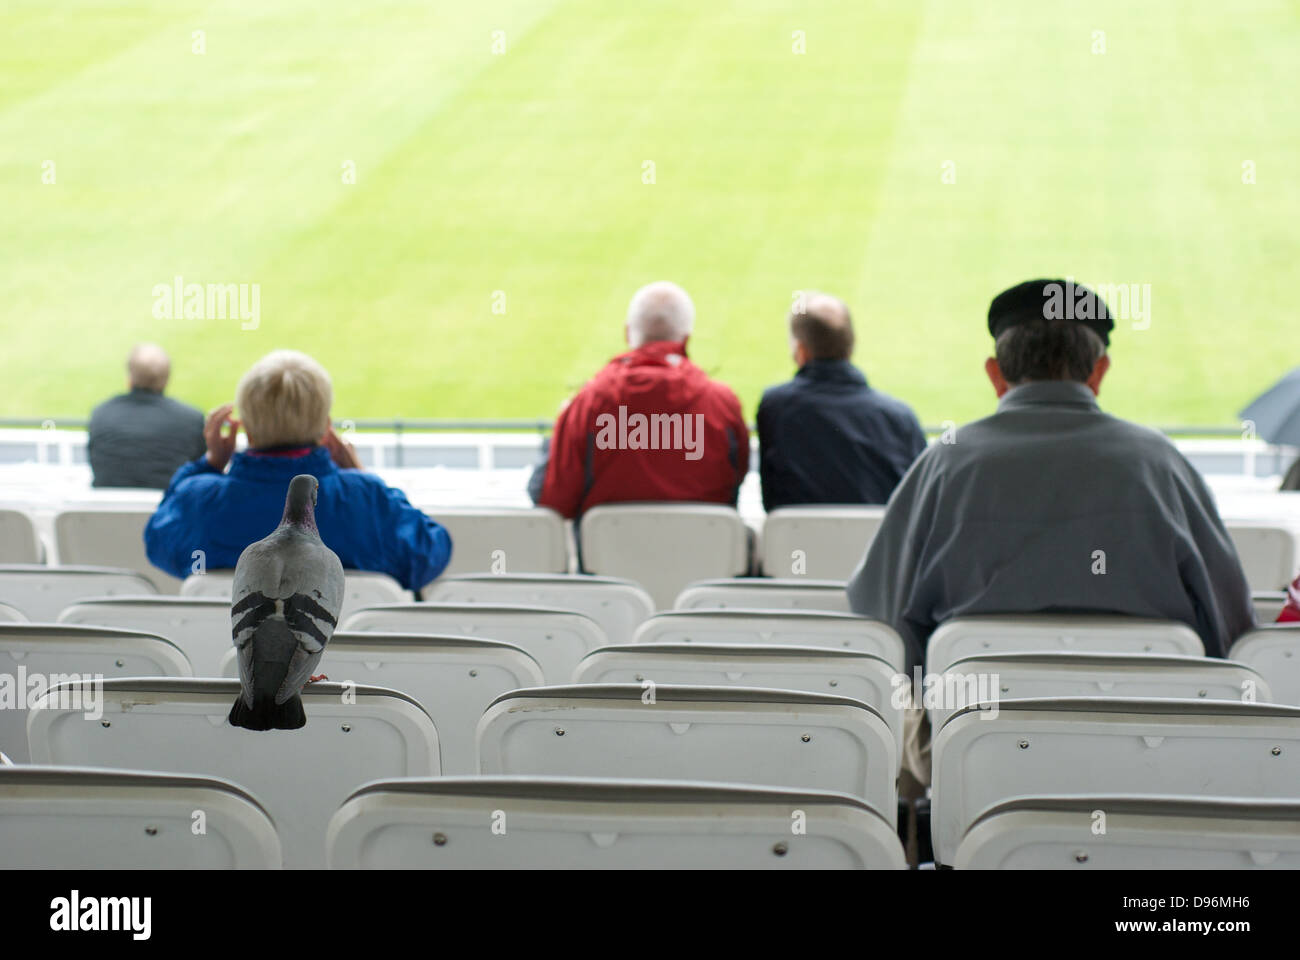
{"x": 269, "y": 715}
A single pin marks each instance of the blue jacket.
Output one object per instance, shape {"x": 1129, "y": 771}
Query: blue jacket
{"x": 370, "y": 525}
{"x": 827, "y": 437}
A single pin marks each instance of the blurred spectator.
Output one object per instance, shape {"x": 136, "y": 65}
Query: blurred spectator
{"x": 650, "y": 425}
{"x": 139, "y": 438}
{"x": 826, "y": 436}
{"x": 207, "y": 516}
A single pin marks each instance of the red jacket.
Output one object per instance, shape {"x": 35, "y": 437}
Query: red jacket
{"x": 1291, "y": 612}
{"x": 650, "y": 425}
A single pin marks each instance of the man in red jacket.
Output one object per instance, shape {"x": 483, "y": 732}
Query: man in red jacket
{"x": 650, "y": 425}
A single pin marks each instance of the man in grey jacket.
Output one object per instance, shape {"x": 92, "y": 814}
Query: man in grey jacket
{"x": 1050, "y": 505}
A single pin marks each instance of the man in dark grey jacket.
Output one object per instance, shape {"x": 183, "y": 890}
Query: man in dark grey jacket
{"x": 140, "y": 438}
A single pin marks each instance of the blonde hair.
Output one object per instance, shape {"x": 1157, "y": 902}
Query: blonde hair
{"x": 284, "y": 399}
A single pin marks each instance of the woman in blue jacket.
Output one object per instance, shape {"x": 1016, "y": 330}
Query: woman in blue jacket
{"x": 208, "y": 514}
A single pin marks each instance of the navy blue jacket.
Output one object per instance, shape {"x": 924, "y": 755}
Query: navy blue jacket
{"x": 827, "y": 437}
{"x": 370, "y": 525}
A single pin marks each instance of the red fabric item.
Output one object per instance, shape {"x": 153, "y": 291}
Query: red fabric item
{"x": 281, "y": 452}
{"x": 596, "y": 442}
{"x": 1291, "y": 611}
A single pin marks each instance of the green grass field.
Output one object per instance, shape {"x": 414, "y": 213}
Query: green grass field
{"x": 522, "y": 172}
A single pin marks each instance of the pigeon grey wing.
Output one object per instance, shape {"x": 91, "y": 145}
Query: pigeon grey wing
{"x": 302, "y": 665}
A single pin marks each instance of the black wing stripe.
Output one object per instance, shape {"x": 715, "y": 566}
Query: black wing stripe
{"x": 254, "y": 617}
{"x": 303, "y": 603}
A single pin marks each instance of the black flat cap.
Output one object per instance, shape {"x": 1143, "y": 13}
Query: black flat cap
{"x": 1037, "y": 301}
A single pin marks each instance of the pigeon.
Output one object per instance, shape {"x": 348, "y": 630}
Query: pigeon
{"x": 285, "y": 604}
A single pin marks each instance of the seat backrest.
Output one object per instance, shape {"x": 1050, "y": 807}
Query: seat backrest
{"x": 453, "y": 678}
{"x": 512, "y": 823}
{"x": 827, "y": 542}
{"x": 531, "y": 540}
{"x": 42, "y": 593}
{"x": 19, "y": 542}
{"x": 69, "y": 818}
{"x": 110, "y": 538}
{"x": 664, "y": 546}
{"x": 737, "y": 735}
{"x": 1026, "y": 676}
{"x": 1267, "y": 552}
{"x": 1122, "y": 747}
{"x": 10, "y": 614}
{"x": 1274, "y": 652}
{"x": 35, "y": 656}
{"x": 361, "y": 588}
{"x": 200, "y": 626}
{"x": 1268, "y": 604}
{"x": 791, "y": 628}
{"x": 761, "y": 593}
{"x": 556, "y": 639}
{"x": 618, "y": 606}
{"x": 1031, "y": 633}
{"x": 841, "y": 673}
{"x": 353, "y": 735}
{"x": 1139, "y": 833}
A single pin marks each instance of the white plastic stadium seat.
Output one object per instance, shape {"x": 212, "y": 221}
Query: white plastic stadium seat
{"x": 760, "y": 593}
{"x": 840, "y": 673}
{"x": 1274, "y": 651}
{"x": 1208, "y": 749}
{"x": 597, "y": 824}
{"x": 361, "y": 588}
{"x": 556, "y": 639}
{"x": 1032, "y": 633}
{"x": 1024, "y": 676}
{"x": 617, "y": 605}
{"x": 42, "y": 593}
{"x": 1268, "y": 604}
{"x": 1267, "y": 553}
{"x": 827, "y": 542}
{"x": 109, "y": 538}
{"x": 47, "y": 654}
{"x": 777, "y": 738}
{"x": 788, "y": 628}
{"x": 531, "y": 540}
{"x": 19, "y": 542}
{"x": 353, "y": 735}
{"x": 200, "y": 626}
{"x": 10, "y": 614}
{"x": 664, "y": 546}
{"x": 1141, "y": 833}
{"x": 454, "y": 678}
{"x": 68, "y": 818}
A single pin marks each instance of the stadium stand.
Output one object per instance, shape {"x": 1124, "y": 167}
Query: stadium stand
{"x": 453, "y": 678}
{"x": 64, "y": 818}
{"x": 604, "y": 824}
{"x": 556, "y": 639}
{"x": 524, "y": 540}
{"x": 798, "y": 628}
{"x": 664, "y": 547}
{"x": 353, "y": 735}
{"x": 1122, "y": 747}
{"x": 41, "y": 592}
{"x": 972, "y": 636}
{"x": 742, "y": 735}
{"x": 822, "y": 542}
{"x": 755, "y": 593}
{"x": 200, "y": 626}
{"x": 1267, "y": 552}
{"x": 618, "y": 605}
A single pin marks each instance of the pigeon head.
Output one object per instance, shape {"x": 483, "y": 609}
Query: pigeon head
{"x": 300, "y": 504}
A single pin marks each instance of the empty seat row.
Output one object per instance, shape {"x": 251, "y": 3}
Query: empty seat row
{"x": 80, "y": 818}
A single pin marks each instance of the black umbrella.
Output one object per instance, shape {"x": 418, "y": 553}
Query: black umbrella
{"x": 1276, "y": 412}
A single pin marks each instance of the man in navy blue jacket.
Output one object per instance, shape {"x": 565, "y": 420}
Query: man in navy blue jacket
{"x": 826, "y": 436}
{"x": 284, "y": 401}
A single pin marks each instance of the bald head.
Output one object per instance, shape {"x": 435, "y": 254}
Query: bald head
{"x": 821, "y": 325}
{"x": 147, "y": 368}
{"x": 659, "y": 311}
